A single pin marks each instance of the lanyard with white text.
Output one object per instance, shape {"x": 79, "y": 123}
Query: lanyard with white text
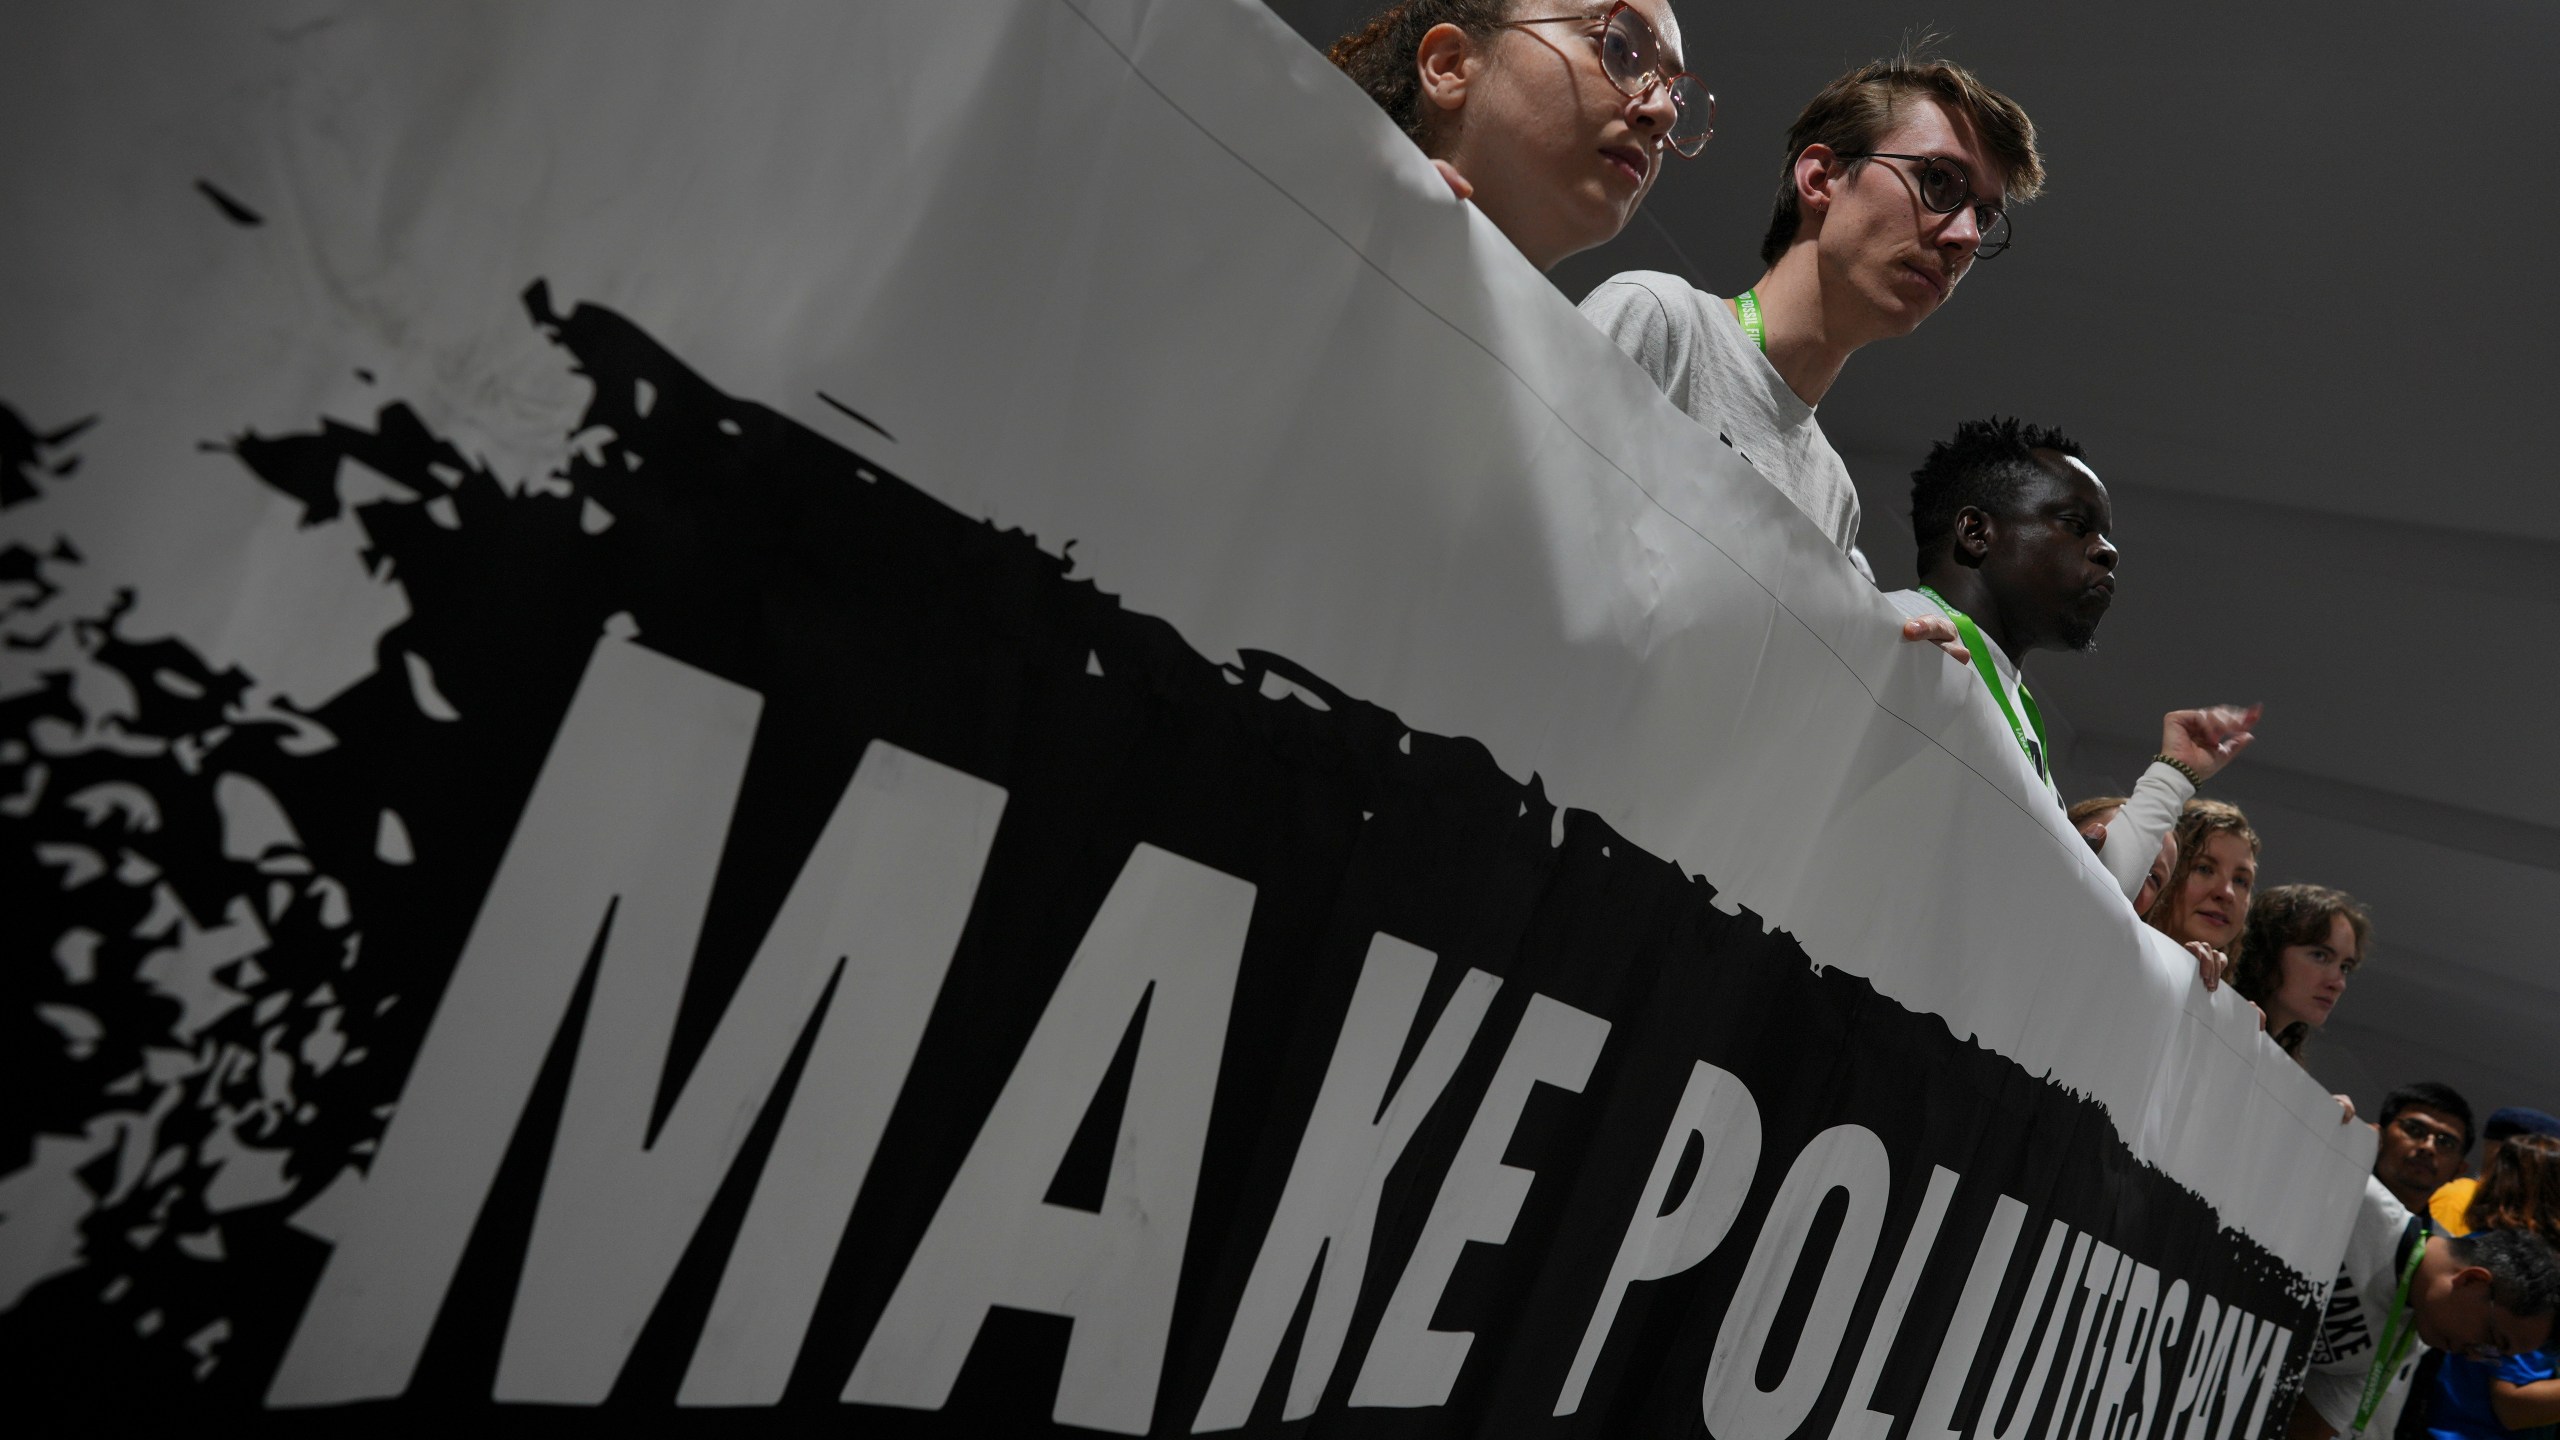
{"x": 1747, "y": 306}
{"x": 2397, "y": 1336}
{"x": 2035, "y": 750}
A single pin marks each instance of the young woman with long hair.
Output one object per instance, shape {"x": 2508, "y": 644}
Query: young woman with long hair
{"x": 2207, "y": 897}
{"x": 2091, "y": 817}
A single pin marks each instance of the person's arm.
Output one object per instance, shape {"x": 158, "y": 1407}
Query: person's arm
{"x": 2201, "y": 740}
{"x": 2306, "y": 1422}
{"x": 2328, "y": 1403}
{"x": 1940, "y": 631}
{"x": 2133, "y": 837}
{"x": 2521, "y": 1407}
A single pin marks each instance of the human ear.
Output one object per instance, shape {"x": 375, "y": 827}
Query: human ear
{"x": 1973, "y": 535}
{"x": 1815, "y": 177}
{"x": 1447, "y": 62}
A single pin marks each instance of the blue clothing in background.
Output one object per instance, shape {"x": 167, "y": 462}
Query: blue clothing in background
{"x": 2462, "y": 1410}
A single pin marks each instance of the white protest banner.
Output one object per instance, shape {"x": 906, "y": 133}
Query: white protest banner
{"x": 963, "y": 719}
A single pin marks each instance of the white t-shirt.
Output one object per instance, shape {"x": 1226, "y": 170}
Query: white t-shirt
{"x": 2133, "y": 838}
{"x": 2360, "y": 1303}
{"x": 1694, "y": 348}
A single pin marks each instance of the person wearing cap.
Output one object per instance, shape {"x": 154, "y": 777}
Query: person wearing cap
{"x": 2452, "y": 1200}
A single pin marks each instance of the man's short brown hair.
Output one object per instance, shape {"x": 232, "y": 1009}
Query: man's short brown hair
{"x": 1856, "y": 111}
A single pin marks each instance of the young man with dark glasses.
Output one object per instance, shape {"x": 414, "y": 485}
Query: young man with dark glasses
{"x": 1899, "y": 178}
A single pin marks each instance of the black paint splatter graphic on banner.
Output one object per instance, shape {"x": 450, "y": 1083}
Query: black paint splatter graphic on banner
{"x": 241, "y": 920}
{"x": 180, "y": 1011}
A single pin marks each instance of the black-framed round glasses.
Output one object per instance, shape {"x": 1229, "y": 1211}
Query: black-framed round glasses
{"x": 1945, "y": 189}
{"x": 1633, "y": 58}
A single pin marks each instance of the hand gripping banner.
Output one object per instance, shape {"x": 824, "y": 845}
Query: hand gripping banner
{"x": 961, "y": 720}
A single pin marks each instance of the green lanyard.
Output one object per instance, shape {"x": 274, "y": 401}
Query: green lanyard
{"x": 2397, "y": 1336}
{"x": 2036, "y": 750}
{"x": 1747, "y": 305}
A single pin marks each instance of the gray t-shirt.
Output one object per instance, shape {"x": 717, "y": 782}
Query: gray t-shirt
{"x": 1694, "y": 348}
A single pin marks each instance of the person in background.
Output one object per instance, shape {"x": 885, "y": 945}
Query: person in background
{"x": 2505, "y": 1123}
{"x": 2091, "y": 817}
{"x": 2518, "y": 1189}
{"x": 2299, "y": 945}
{"x": 2426, "y": 1130}
{"x": 2206, "y": 900}
{"x": 2163, "y": 864}
{"x": 2207, "y": 897}
{"x": 2488, "y": 1296}
{"x": 2010, "y": 530}
{"x": 1899, "y": 177}
{"x": 1554, "y": 116}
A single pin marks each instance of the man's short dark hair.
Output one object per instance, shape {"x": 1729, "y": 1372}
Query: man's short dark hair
{"x": 2524, "y": 1274}
{"x": 2435, "y": 1095}
{"x": 1987, "y": 464}
{"x": 1855, "y": 112}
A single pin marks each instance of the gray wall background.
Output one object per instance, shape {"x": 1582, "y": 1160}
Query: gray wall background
{"x": 2292, "y": 284}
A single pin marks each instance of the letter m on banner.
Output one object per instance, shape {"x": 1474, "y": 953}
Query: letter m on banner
{"x": 615, "y": 858}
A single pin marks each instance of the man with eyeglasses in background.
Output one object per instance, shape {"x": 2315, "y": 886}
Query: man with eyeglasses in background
{"x": 2356, "y": 1383}
{"x": 2407, "y": 1285}
{"x": 2426, "y": 1132}
{"x": 1899, "y": 177}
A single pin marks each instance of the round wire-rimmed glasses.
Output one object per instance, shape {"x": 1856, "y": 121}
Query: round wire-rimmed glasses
{"x": 1945, "y": 188}
{"x": 1631, "y": 55}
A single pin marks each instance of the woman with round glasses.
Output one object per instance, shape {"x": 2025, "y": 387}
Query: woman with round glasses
{"x": 1554, "y": 116}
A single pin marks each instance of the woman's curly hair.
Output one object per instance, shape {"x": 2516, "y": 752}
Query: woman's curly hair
{"x": 1380, "y": 54}
{"x": 2520, "y": 1189}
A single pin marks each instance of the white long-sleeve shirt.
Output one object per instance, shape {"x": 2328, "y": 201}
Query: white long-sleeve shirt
{"x": 2150, "y": 809}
